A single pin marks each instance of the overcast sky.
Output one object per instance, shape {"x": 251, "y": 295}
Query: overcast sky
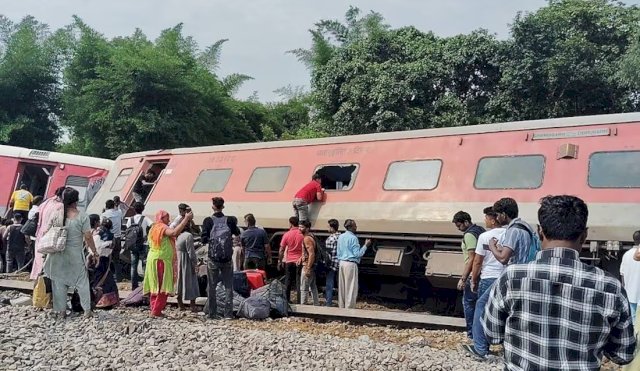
{"x": 261, "y": 31}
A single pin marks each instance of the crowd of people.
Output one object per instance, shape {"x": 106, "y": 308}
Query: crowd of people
{"x": 529, "y": 290}
{"x": 523, "y": 287}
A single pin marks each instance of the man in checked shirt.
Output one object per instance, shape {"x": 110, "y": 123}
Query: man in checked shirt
{"x": 557, "y": 313}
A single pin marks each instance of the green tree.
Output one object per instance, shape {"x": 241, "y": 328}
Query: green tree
{"x": 131, "y": 94}
{"x": 564, "y": 58}
{"x": 29, "y": 87}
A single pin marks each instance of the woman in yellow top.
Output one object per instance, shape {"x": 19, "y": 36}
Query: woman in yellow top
{"x": 159, "y": 276}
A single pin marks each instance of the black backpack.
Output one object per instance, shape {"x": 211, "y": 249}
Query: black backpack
{"x": 322, "y": 255}
{"x": 220, "y": 241}
{"x": 134, "y": 236}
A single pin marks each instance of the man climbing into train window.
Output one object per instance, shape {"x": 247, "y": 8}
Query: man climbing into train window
{"x": 630, "y": 274}
{"x": 143, "y": 186}
{"x": 556, "y": 312}
{"x": 217, "y": 232}
{"x": 471, "y": 232}
{"x": 312, "y": 191}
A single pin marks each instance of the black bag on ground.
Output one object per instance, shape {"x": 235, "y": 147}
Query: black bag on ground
{"x": 275, "y": 293}
{"x": 221, "y": 300}
{"x": 241, "y": 284}
{"x": 255, "y": 307}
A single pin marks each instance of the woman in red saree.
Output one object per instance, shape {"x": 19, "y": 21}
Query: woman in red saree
{"x": 160, "y": 273}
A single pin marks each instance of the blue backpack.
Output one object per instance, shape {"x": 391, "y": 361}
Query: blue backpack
{"x": 534, "y": 247}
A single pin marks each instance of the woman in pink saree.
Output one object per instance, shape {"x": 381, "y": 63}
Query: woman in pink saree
{"x": 50, "y": 207}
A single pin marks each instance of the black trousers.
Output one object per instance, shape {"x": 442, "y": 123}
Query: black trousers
{"x": 292, "y": 274}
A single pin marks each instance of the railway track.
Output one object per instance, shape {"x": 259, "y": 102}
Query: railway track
{"x": 379, "y": 317}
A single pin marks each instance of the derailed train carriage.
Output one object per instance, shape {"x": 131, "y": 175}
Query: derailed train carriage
{"x": 404, "y": 187}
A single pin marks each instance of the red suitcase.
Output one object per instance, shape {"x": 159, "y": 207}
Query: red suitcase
{"x": 256, "y": 277}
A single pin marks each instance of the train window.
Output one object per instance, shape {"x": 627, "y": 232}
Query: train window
{"x": 121, "y": 180}
{"x": 80, "y": 184}
{"x": 211, "y": 181}
{"x": 337, "y": 177}
{"x": 614, "y": 169}
{"x": 510, "y": 172}
{"x": 268, "y": 179}
{"x": 413, "y": 175}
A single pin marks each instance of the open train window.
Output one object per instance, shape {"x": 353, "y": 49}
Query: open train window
{"x": 337, "y": 177}
{"x": 268, "y": 179}
{"x": 614, "y": 169}
{"x": 121, "y": 179}
{"x": 413, "y": 175}
{"x": 80, "y": 184}
{"x": 510, "y": 172}
{"x": 211, "y": 181}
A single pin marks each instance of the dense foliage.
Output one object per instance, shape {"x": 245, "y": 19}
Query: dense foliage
{"x": 78, "y": 91}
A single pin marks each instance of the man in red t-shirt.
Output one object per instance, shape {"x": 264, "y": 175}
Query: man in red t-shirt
{"x": 290, "y": 257}
{"x": 311, "y": 192}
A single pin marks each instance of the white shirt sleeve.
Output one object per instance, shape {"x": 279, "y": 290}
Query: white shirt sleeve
{"x": 482, "y": 240}
{"x": 175, "y": 222}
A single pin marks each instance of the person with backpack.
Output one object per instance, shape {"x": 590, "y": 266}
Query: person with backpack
{"x": 471, "y": 232}
{"x": 16, "y": 243}
{"x": 517, "y": 245}
{"x": 217, "y": 232}
{"x": 115, "y": 215}
{"x": 308, "y": 262}
{"x": 135, "y": 240}
{"x": 161, "y": 261}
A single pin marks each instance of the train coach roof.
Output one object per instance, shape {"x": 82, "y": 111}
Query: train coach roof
{"x": 65, "y": 158}
{"x": 566, "y": 122}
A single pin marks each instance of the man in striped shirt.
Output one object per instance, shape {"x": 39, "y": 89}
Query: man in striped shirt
{"x": 331, "y": 245}
{"x": 557, "y": 312}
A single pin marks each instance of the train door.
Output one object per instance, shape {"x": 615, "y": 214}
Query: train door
{"x": 37, "y": 177}
{"x": 8, "y": 169}
{"x": 157, "y": 166}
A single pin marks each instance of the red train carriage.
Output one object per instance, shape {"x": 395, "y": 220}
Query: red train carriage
{"x": 44, "y": 171}
{"x": 404, "y": 187}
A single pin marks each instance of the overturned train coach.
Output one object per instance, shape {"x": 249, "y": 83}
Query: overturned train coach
{"x": 44, "y": 171}
{"x": 404, "y": 187}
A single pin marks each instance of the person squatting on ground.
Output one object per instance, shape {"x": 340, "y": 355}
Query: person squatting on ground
{"x": 462, "y": 221}
{"x": 160, "y": 273}
{"x": 311, "y": 192}
{"x": 217, "y": 231}
{"x": 557, "y": 312}
{"x": 349, "y": 254}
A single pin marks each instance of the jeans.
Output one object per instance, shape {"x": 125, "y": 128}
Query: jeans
{"x": 301, "y": 209}
{"x": 15, "y": 258}
{"x": 136, "y": 257}
{"x": 309, "y": 283}
{"x": 217, "y": 272}
{"x": 480, "y": 341}
{"x": 292, "y": 275}
{"x": 634, "y": 308}
{"x": 469, "y": 305}
{"x": 328, "y": 287}
{"x": 116, "y": 245}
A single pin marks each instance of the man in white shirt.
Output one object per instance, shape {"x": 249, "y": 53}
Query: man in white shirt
{"x": 182, "y": 211}
{"x": 115, "y": 215}
{"x": 485, "y": 271}
{"x": 138, "y": 257}
{"x": 630, "y": 275}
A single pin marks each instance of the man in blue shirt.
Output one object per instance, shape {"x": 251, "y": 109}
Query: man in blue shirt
{"x": 255, "y": 245}
{"x": 349, "y": 254}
